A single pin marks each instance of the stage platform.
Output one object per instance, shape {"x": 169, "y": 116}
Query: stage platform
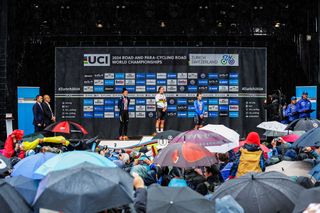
{"x": 127, "y": 144}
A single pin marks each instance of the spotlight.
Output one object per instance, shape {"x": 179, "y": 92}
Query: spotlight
{"x": 99, "y": 24}
{"x": 308, "y": 37}
{"x": 277, "y": 25}
{"x": 162, "y": 24}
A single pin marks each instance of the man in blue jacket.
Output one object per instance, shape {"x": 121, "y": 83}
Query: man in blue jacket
{"x": 304, "y": 106}
{"x": 292, "y": 110}
{"x": 199, "y": 109}
{"x": 123, "y": 106}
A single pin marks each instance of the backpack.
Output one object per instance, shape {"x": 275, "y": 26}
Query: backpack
{"x": 249, "y": 162}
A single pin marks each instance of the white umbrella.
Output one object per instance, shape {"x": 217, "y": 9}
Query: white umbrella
{"x": 272, "y": 126}
{"x": 291, "y": 168}
{"x": 269, "y": 133}
{"x": 226, "y": 132}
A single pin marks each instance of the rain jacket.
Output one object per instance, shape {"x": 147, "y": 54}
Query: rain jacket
{"x": 304, "y": 104}
{"x": 199, "y": 107}
{"x": 248, "y": 159}
{"x": 33, "y": 144}
{"x": 9, "y": 145}
{"x": 292, "y": 112}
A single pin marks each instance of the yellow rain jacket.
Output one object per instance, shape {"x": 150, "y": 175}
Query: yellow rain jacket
{"x": 32, "y": 145}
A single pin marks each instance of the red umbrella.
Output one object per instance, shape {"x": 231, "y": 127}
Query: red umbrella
{"x": 290, "y": 138}
{"x": 263, "y": 147}
{"x": 66, "y": 127}
{"x": 185, "y": 155}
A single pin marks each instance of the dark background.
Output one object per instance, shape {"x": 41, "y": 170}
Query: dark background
{"x": 31, "y": 29}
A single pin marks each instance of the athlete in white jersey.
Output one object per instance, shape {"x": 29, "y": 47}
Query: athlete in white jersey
{"x": 161, "y": 102}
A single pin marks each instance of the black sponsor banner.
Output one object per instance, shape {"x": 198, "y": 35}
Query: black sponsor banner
{"x": 89, "y": 82}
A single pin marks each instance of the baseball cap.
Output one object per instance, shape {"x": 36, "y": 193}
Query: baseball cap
{"x": 304, "y": 93}
{"x": 293, "y": 98}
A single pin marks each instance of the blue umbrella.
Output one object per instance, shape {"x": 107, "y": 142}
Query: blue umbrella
{"x": 310, "y": 138}
{"x": 27, "y": 166}
{"x": 315, "y": 172}
{"x": 26, "y": 187}
{"x": 70, "y": 159}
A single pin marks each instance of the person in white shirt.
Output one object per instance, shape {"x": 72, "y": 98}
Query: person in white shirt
{"x": 161, "y": 105}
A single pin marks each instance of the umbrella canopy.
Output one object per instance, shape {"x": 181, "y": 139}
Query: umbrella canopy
{"x": 85, "y": 188}
{"x": 176, "y": 199}
{"x": 262, "y": 193}
{"x": 263, "y": 147}
{"x": 201, "y": 137}
{"x": 303, "y": 124}
{"x": 307, "y": 197}
{"x": 5, "y": 165}
{"x": 272, "y": 126}
{"x": 27, "y": 166}
{"x": 269, "y": 133}
{"x": 185, "y": 155}
{"x": 291, "y": 168}
{"x": 26, "y": 187}
{"x": 66, "y": 127}
{"x": 310, "y": 138}
{"x": 169, "y": 134}
{"x": 69, "y": 159}
{"x": 10, "y": 199}
{"x": 226, "y": 132}
{"x": 291, "y": 138}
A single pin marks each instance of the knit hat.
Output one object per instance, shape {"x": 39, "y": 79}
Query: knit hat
{"x": 253, "y": 138}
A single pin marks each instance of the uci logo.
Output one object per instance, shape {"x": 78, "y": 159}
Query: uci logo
{"x": 96, "y": 60}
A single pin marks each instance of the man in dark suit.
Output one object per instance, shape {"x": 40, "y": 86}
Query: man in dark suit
{"x": 48, "y": 116}
{"x": 37, "y": 109}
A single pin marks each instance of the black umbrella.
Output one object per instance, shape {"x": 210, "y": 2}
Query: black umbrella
{"x": 84, "y": 188}
{"x": 262, "y": 192}
{"x": 176, "y": 199}
{"x": 10, "y": 200}
{"x": 303, "y": 124}
{"x": 27, "y": 187}
{"x": 306, "y": 197}
{"x": 310, "y": 138}
{"x": 169, "y": 135}
{"x": 5, "y": 165}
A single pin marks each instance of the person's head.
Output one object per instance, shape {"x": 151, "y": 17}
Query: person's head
{"x": 39, "y": 98}
{"x": 124, "y": 157}
{"x": 293, "y": 99}
{"x": 305, "y": 95}
{"x": 125, "y": 92}
{"x": 161, "y": 90}
{"x": 17, "y": 134}
{"x": 223, "y": 157}
{"x": 211, "y": 171}
{"x": 46, "y": 98}
{"x": 176, "y": 172}
{"x": 253, "y": 138}
{"x": 199, "y": 95}
{"x": 202, "y": 189}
